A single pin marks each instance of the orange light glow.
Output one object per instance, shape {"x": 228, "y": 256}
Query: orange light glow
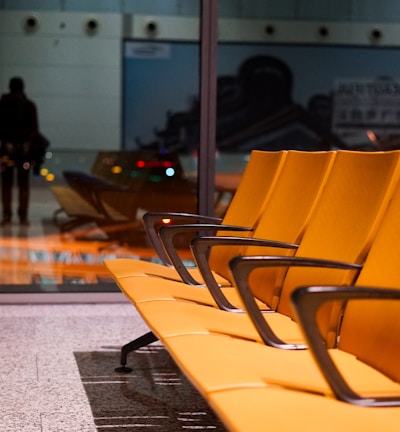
{"x": 116, "y": 169}
{"x": 166, "y": 221}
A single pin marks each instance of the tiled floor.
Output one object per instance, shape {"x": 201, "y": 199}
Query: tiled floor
{"x": 41, "y": 389}
{"x": 57, "y": 374}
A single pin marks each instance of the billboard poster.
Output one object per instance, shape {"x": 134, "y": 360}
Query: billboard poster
{"x": 269, "y": 97}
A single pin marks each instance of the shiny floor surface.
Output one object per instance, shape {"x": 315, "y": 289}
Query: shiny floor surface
{"x": 57, "y": 374}
{"x": 38, "y": 259}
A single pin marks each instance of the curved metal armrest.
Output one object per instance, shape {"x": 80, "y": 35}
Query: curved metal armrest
{"x": 167, "y": 234}
{"x": 151, "y": 221}
{"x": 201, "y": 246}
{"x": 241, "y": 267}
{"x": 306, "y": 302}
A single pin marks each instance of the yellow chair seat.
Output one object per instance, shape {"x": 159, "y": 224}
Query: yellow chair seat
{"x": 216, "y": 362}
{"x": 126, "y": 267}
{"x": 280, "y": 410}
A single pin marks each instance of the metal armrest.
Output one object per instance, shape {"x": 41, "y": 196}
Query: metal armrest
{"x": 201, "y": 246}
{"x": 153, "y": 220}
{"x": 167, "y": 234}
{"x": 306, "y": 302}
{"x": 241, "y": 268}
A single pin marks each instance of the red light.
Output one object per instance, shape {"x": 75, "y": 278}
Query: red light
{"x": 154, "y": 164}
{"x": 166, "y": 221}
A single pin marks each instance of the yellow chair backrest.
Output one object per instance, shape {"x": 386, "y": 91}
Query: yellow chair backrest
{"x": 343, "y": 224}
{"x": 257, "y": 183}
{"x": 287, "y": 212}
{"x": 371, "y": 329}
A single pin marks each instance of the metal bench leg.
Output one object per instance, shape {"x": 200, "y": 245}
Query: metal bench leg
{"x": 139, "y": 342}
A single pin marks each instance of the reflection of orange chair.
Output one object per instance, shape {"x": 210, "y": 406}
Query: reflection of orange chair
{"x": 121, "y": 183}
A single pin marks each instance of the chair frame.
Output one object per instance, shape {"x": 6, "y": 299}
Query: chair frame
{"x": 307, "y": 301}
{"x": 241, "y": 268}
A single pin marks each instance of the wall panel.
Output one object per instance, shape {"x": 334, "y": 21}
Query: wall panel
{"x": 70, "y": 81}
{"x": 64, "y": 65}
{"x": 331, "y": 10}
{"x": 71, "y": 70}
{"x": 72, "y": 136}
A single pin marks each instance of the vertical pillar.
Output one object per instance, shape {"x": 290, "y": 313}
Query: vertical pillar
{"x": 208, "y": 108}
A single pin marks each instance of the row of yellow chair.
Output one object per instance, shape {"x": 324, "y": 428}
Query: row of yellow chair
{"x": 290, "y": 202}
{"x": 325, "y": 221}
{"x": 258, "y": 183}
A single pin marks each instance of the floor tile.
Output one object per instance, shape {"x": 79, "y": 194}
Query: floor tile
{"x": 17, "y": 366}
{"x": 57, "y": 374}
{"x": 66, "y": 422}
{"x": 19, "y": 397}
{"x": 22, "y": 422}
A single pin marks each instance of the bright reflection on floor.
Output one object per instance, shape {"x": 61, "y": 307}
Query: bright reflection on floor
{"x": 39, "y": 258}
{"x": 52, "y": 260}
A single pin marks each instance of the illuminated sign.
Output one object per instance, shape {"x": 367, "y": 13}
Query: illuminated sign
{"x": 366, "y": 104}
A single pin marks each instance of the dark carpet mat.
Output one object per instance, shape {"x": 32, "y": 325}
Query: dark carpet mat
{"x": 156, "y": 396}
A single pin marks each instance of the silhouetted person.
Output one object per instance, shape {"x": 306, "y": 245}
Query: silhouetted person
{"x": 18, "y": 130}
